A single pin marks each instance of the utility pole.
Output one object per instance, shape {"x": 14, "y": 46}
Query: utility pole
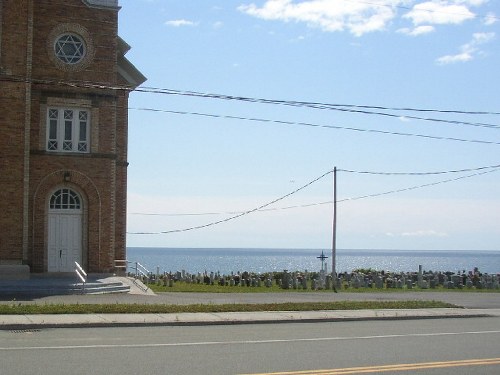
{"x": 334, "y": 226}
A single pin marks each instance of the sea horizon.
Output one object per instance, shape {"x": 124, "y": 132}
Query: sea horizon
{"x": 302, "y": 248}
{"x": 261, "y": 260}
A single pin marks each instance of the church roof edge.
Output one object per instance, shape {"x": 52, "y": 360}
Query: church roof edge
{"x": 113, "y": 4}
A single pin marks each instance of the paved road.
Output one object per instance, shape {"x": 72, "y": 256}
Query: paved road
{"x": 473, "y": 300}
{"x": 450, "y": 346}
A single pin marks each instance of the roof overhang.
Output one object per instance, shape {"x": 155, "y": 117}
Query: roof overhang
{"x": 109, "y": 4}
{"x": 130, "y": 73}
{"x": 126, "y": 69}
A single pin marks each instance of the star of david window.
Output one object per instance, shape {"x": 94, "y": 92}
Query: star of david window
{"x": 70, "y": 48}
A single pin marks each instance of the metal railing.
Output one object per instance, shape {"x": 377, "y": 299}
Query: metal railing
{"x": 141, "y": 271}
{"x": 82, "y": 275}
{"x": 137, "y": 270}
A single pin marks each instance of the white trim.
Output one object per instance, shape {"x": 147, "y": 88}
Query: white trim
{"x": 130, "y": 73}
{"x": 102, "y": 4}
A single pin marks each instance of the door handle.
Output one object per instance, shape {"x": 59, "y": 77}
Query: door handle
{"x": 60, "y": 253}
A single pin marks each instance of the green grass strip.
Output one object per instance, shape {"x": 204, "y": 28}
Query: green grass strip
{"x": 17, "y": 308}
{"x": 182, "y": 287}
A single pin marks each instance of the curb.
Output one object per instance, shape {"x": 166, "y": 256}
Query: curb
{"x": 36, "y": 322}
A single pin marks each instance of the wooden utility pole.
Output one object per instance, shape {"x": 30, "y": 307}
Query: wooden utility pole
{"x": 334, "y": 226}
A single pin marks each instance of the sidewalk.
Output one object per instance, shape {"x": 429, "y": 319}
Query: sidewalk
{"x": 29, "y": 322}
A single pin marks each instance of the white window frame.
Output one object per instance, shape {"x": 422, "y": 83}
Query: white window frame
{"x": 65, "y": 199}
{"x": 68, "y": 130}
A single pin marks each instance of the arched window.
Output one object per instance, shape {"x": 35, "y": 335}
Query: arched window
{"x": 65, "y": 199}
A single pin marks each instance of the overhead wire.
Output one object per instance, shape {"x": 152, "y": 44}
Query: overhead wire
{"x": 406, "y": 117}
{"x": 263, "y": 208}
{"x": 409, "y": 117}
{"x": 242, "y": 213}
{"x": 352, "y": 108}
{"x": 295, "y": 103}
{"x": 420, "y": 173}
{"x": 308, "y": 124}
{"x": 418, "y": 186}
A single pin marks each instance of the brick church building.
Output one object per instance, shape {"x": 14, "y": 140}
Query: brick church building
{"x": 64, "y": 86}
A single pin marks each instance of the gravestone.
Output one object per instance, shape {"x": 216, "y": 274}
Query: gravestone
{"x": 328, "y": 282}
{"x": 304, "y": 282}
{"x": 294, "y": 281}
{"x": 285, "y": 281}
{"x": 269, "y": 282}
{"x": 322, "y": 279}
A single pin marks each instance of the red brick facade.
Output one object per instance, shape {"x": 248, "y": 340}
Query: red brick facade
{"x": 33, "y": 79}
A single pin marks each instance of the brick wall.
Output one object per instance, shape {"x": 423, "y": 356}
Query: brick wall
{"x": 12, "y": 116}
{"x": 98, "y": 26}
{"x": 99, "y": 177}
{"x": 11, "y": 171}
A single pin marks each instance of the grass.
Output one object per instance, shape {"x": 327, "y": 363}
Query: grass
{"x": 183, "y": 287}
{"x": 16, "y": 308}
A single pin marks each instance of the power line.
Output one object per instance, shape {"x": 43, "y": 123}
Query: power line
{"x": 307, "y": 124}
{"x": 315, "y": 105}
{"x": 365, "y": 112}
{"x": 242, "y": 213}
{"x": 452, "y": 171}
{"x": 455, "y": 122}
{"x": 263, "y": 208}
{"x": 417, "y": 186}
{"x": 374, "y": 195}
{"x": 420, "y": 173}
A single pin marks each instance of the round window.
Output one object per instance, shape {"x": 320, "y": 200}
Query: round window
{"x": 70, "y": 48}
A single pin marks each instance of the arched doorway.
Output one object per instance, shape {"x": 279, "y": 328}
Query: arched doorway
{"x": 64, "y": 231}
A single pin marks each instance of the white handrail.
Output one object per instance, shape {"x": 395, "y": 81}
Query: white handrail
{"x": 141, "y": 270}
{"x": 82, "y": 275}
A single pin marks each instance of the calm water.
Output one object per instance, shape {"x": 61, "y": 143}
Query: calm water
{"x": 267, "y": 260}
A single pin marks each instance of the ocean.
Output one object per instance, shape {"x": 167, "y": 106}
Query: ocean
{"x": 226, "y": 261}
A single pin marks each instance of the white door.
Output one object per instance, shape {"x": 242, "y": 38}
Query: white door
{"x": 64, "y": 231}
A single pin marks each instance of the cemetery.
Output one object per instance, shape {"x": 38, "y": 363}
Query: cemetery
{"x": 361, "y": 280}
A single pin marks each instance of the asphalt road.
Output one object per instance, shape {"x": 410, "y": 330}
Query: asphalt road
{"x": 449, "y": 346}
{"x": 469, "y": 300}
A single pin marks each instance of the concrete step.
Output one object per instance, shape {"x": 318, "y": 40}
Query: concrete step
{"x": 59, "y": 287}
{"x": 103, "y": 288}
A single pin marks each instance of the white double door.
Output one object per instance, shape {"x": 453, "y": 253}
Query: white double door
{"x": 64, "y": 240}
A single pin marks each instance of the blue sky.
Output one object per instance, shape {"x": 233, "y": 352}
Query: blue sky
{"x": 195, "y": 160}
